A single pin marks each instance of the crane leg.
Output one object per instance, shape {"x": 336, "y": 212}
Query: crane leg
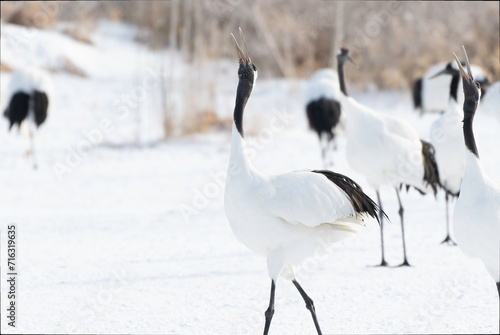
{"x": 401, "y": 212}
{"x": 309, "y": 305}
{"x": 448, "y": 238}
{"x": 381, "y": 218}
{"x": 32, "y": 143}
{"x": 270, "y": 310}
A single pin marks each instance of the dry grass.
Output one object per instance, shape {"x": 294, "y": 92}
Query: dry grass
{"x": 31, "y": 13}
{"x": 67, "y": 66}
{"x": 81, "y": 31}
{"x": 5, "y": 68}
{"x": 204, "y": 122}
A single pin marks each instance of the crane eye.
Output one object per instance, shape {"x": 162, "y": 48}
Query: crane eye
{"x": 254, "y": 68}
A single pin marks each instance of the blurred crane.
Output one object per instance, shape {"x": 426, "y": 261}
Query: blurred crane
{"x": 430, "y": 96}
{"x": 28, "y": 102}
{"x": 386, "y": 150}
{"x": 448, "y": 141}
{"x": 323, "y": 108}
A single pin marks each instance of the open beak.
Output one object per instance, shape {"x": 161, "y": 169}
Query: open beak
{"x": 467, "y": 76}
{"x": 242, "y": 55}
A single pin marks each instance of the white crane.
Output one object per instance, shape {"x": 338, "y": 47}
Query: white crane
{"x": 29, "y": 91}
{"x": 285, "y": 217}
{"x": 448, "y": 141}
{"x": 386, "y": 150}
{"x": 323, "y": 108}
{"x": 477, "y": 210}
{"x": 430, "y": 95}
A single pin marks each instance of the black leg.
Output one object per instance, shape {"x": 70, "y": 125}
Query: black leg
{"x": 448, "y": 239}
{"x": 401, "y": 211}
{"x": 309, "y": 305}
{"x": 498, "y": 288}
{"x": 381, "y": 218}
{"x": 270, "y": 310}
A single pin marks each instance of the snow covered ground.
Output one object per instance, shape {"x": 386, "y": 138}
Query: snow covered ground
{"x": 119, "y": 238}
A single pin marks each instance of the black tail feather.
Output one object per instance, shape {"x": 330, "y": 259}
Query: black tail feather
{"x": 431, "y": 171}
{"x": 323, "y": 115}
{"x": 41, "y": 104}
{"x": 359, "y": 200}
{"x": 417, "y": 93}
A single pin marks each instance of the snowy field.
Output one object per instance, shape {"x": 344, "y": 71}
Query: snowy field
{"x": 115, "y": 237}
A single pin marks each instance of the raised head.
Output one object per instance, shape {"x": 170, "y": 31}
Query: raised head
{"x": 247, "y": 70}
{"x": 472, "y": 89}
{"x": 247, "y": 73}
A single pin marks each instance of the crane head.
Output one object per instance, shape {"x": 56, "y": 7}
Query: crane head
{"x": 343, "y": 55}
{"x": 449, "y": 69}
{"x": 247, "y": 69}
{"x": 472, "y": 89}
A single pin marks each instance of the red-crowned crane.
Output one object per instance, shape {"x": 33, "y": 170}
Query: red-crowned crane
{"x": 448, "y": 141}
{"x": 386, "y": 150}
{"x": 477, "y": 211}
{"x": 286, "y": 217}
{"x": 430, "y": 95}
{"x": 323, "y": 108}
{"x": 29, "y": 91}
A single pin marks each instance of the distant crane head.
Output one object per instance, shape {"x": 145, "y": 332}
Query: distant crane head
{"x": 343, "y": 55}
{"x": 449, "y": 69}
{"x": 247, "y": 70}
{"x": 472, "y": 89}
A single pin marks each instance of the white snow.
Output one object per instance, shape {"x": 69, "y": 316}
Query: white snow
{"x": 122, "y": 238}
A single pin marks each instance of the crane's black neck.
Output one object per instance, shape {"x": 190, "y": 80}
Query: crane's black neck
{"x": 340, "y": 70}
{"x": 455, "y": 78}
{"x": 242, "y": 94}
{"x": 470, "y": 106}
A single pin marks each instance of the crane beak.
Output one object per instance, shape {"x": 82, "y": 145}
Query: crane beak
{"x": 349, "y": 58}
{"x": 440, "y": 73}
{"x": 467, "y": 76}
{"x": 242, "y": 55}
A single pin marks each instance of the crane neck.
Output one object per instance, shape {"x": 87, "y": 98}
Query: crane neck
{"x": 242, "y": 94}
{"x": 469, "y": 110}
{"x": 340, "y": 70}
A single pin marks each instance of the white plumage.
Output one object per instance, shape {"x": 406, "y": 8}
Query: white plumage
{"x": 323, "y": 83}
{"x": 29, "y": 79}
{"x": 448, "y": 141}
{"x": 477, "y": 216}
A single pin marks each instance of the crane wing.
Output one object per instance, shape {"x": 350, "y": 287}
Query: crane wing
{"x": 311, "y": 199}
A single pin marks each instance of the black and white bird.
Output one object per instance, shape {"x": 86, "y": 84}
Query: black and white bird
{"x": 386, "y": 150}
{"x": 448, "y": 142}
{"x": 430, "y": 95}
{"x": 286, "y": 217}
{"x": 323, "y": 108}
{"x": 477, "y": 210}
{"x": 29, "y": 91}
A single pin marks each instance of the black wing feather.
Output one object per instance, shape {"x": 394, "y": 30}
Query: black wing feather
{"x": 359, "y": 200}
